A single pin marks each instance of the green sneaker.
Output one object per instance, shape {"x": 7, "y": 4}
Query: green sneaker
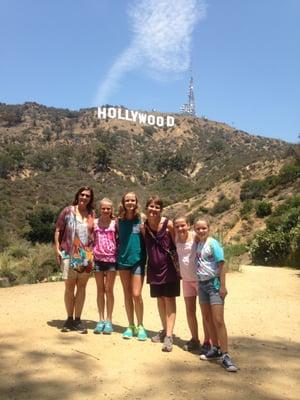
{"x": 99, "y": 327}
{"x": 129, "y": 332}
{"x": 141, "y": 333}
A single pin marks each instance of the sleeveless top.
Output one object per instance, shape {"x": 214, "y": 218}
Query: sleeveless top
{"x": 131, "y": 249}
{"x": 160, "y": 268}
{"x": 105, "y": 244}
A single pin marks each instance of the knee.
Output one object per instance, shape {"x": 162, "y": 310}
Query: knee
{"x": 70, "y": 289}
{"x": 81, "y": 287}
{"x": 219, "y": 322}
{"x": 137, "y": 297}
{"x": 109, "y": 291}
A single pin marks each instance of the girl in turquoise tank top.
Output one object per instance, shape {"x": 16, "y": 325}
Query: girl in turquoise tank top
{"x": 131, "y": 264}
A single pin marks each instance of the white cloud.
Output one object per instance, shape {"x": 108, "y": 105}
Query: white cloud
{"x": 162, "y": 33}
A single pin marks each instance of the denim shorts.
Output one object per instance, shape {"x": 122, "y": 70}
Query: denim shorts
{"x": 209, "y": 292}
{"x": 136, "y": 269}
{"x": 101, "y": 266}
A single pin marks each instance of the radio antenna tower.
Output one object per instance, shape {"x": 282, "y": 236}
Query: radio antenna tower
{"x": 189, "y": 108}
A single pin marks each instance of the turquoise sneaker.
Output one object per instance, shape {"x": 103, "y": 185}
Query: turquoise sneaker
{"x": 141, "y": 333}
{"x": 108, "y": 329}
{"x": 99, "y": 327}
{"x": 129, "y": 332}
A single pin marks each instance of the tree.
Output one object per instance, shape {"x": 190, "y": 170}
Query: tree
{"x": 103, "y": 157}
{"x": 263, "y": 209}
{"x": 41, "y": 224}
{"x": 6, "y": 165}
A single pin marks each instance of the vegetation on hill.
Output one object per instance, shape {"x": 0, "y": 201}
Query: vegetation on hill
{"x": 47, "y": 153}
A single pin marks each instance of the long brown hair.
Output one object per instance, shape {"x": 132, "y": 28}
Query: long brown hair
{"x": 90, "y": 205}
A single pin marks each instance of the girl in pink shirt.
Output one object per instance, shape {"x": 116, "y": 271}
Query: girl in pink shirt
{"x": 105, "y": 249}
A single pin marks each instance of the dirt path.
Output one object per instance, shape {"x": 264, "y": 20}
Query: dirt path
{"x": 39, "y": 362}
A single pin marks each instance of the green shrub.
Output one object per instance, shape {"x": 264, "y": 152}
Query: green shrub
{"x": 246, "y": 209}
{"x": 222, "y": 205}
{"x": 289, "y": 173}
{"x": 294, "y": 257}
{"x": 253, "y": 189}
{"x": 263, "y": 209}
{"x": 37, "y": 265}
{"x": 235, "y": 250}
{"x": 42, "y": 160}
{"x": 270, "y": 248}
{"x": 8, "y": 267}
{"x": 6, "y": 165}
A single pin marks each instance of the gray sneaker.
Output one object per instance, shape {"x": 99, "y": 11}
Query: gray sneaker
{"x": 191, "y": 345}
{"x": 168, "y": 344}
{"x": 213, "y": 354}
{"x": 159, "y": 337}
{"x": 80, "y": 326}
{"x": 228, "y": 363}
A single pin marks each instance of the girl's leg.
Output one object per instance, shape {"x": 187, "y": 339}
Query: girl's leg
{"x": 69, "y": 296}
{"x": 99, "y": 276}
{"x": 125, "y": 276}
{"x": 137, "y": 285}
{"x": 80, "y": 294}
{"x": 208, "y": 322}
{"x": 190, "y": 307}
{"x": 170, "y": 305}
{"x": 161, "y": 305}
{"x": 109, "y": 291}
{"x": 205, "y": 331}
{"x": 218, "y": 321}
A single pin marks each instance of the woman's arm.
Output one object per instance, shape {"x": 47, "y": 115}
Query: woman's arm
{"x": 171, "y": 230}
{"x": 57, "y": 246}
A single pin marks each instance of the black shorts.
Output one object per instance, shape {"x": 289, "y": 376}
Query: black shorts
{"x": 171, "y": 289}
{"x": 101, "y": 266}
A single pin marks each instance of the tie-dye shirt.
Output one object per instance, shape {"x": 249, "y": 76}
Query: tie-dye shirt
{"x": 68, "y": 225}
{"x": 105, "y": 244}
{"x": 208, "y": 256}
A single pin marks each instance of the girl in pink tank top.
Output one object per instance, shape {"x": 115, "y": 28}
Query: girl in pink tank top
{"x": 105, "y": 249}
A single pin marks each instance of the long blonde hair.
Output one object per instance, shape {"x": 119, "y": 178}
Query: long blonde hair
{"x": 122, "y": 209}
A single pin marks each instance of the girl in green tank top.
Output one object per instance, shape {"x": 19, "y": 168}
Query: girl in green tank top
{"x": 131, "y": 264}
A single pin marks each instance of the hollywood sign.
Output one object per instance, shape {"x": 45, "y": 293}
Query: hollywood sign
{"x": 135, "y": 116}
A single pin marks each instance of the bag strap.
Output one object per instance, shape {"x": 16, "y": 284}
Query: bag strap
{"x": 168, "y": 252}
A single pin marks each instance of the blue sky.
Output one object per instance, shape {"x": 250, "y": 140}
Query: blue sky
{"x": 245, "y": 57}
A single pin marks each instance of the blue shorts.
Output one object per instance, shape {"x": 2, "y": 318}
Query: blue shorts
{"x": 101, "y": 266}
{"x": 137, "y": 269}
{"x": 209, "y": 292}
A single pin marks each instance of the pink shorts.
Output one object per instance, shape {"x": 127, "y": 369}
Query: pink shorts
{"x": 190, "y": 288}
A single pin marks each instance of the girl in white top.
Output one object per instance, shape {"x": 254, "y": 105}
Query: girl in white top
{"x": 186, "y": 250}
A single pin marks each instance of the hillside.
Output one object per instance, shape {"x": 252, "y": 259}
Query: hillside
{"x": 197, "y": 166}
